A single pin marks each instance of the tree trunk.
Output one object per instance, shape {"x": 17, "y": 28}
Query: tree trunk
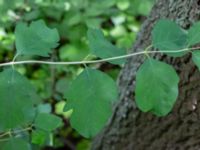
{"x": 129, "y": 128}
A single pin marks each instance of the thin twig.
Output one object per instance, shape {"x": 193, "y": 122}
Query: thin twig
{"x": 94, "y": 61}
{"x": 22, "y": 130}
{"x": 16, "y": 132}
{"x": 5, "y": 134}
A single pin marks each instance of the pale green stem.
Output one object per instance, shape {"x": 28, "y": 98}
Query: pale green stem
{"x": 94, "y": 61}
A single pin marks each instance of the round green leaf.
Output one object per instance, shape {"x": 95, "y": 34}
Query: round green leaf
{"x": 90, "y": 96}
{"x": 17, "y": 97}
{"x": 156, "y": 87}
{"x": 167, "y": 35}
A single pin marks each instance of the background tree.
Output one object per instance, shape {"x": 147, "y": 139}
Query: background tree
{"x": 131, "y": 129}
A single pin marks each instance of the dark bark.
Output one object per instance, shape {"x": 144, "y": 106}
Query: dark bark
{"x": 129, "y": 128}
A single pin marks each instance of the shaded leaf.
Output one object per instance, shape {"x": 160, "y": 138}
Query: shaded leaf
{"x": 39, "y": 137}
{"x": 47, "y": 122}
{"x": 102, "y": 48}
{"x": 35, "y": 39}
{"x": 44, "y": 108}
{"x": 16, "y": 143}
{"x": 196, "y": 58}
{"x": 194, "y": 34}
{"x": 156, "y": 87}
{"x": 167, "y": 35}
{"x": 90, "y": 96}
{"x": 17, "y": 99}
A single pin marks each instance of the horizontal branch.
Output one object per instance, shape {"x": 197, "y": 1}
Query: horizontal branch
{"x": 93, "y": 61}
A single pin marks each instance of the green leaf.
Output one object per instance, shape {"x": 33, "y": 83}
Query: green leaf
{"x": 90, "y": 96}
{"x": 39, "y": 137}
{"x": 17, "y": 97}
{"x": 156, "y": 87}
{"x": 102, "y": 48}
{"x": 59, "y": 109}
{"x": 196, "y": 58}
{"x": 16, "y": 143}
{"x": 35, "y": 39}
{"x": 47, "y": 122}
{"x": 73, "y": 52}
{"x": 167, "y": 35}
{"x": 98, "y": 8}
{"x": 194, "y": 34}
{"x": 44, "y": 108}
{"x": 62, "y": 84}
{"x": 8, "y": 5}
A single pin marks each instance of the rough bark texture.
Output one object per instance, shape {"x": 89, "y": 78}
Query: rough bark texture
{"x": 130, "y": 129}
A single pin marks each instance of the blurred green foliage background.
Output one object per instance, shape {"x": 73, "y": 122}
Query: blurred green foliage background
{"x": 119, "y": 19}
